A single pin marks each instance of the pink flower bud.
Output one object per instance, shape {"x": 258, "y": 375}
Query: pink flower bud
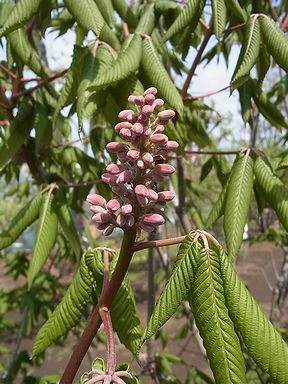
{"x": 124, "y": 177}
{"x": 168, "y": 114}
{"x": 95, "y": 199}
{"x": 102, "y": 218}
{"x": 138, "y": 128}
{"x": 164, "y": 169}
{"x": 148, "y": 132}
{"x": 147, "y": 158}
{"x": 115, "y": 147}
{"x": 152, "y": 90}
{"x": 133, "y": 154}
{"x": 158, "y": 103}
{"x": 152, "y": 195}
{"x": 148, "y": 228}
{"x": 121, "y": 220}
{"x": 149, "y": 99}
{"x": 136, "y": 100}
{"x": 130, "y": 221}
{"x": 159, "y": 138}
{"x": 132, "y": 118}
{"x": 108, "y": 230}
{"x": 140, "y": 164}
{"x": 108, "y": 178}
{"x": 126, "y": 209}
{"x": 143, "y": 118}
{"x": 171, "y": 145}
{"x": 147, "y": 110}
{"x": 125, "y": 133}
{"x": 122, "y": 156}
{"x": 160, "y": 128}
{"x": 123, "y": 114}
{"x": 113, "y": 205}
{"x": 153, "y": 219}
{"x": 123, "y": 124}
{"x": 114, "y": 169}
{"x": 98, "y": 209}
{"x": 141, "y": 190}
{"x": 166, "y": 196}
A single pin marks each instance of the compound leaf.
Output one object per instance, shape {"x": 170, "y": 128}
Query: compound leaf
{"x": 264, "y": 343}
{"x": 68, "y": 312}
{"x": 20, "y": 14}
{"x": 273, "y": 189}
{"x": 45, "y": 238}
{"x": 26, "y": 216}
{"x": 237, "y": 202}
{"x": 212, "y": 318}
{"x": 158, "y": 76}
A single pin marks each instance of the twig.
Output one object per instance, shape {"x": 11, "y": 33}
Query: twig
{"x": 158, "y": 243}
{"x": 9, "y": 73}
{"x": 206, "y": 94}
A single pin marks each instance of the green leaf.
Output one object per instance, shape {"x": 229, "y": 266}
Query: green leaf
{"x": 158, "y": 76}
{"x": 262, "y": 340}
{"x": 19, "y": 130}
{"x": 45, "y": 238}
{"x": 126, "y": 63}
{"x": 219, "y": 17}
{"x": 20, "y": 14}
{"x": 263, "y": 64}
{"x": 42, "y": 125}
{"x": 124, "y": 315}
{"x": 237, "y": 9}
{"x": 125, "y": 12}
{"x": 273, "y": 189}
{"x": 249, "y": 53}
{"x": 68, "y": 226}
{"x": 147, "y": 21}
{"x": 68, "y": 312}
{"x": 175, "y": 291}
{"x": 23, "y": 49}
{"x": 245, "y": 93}
{"x": 212, "y": 318}
{"x": 189, "y": 15}
{"x": 109, "y": 37}
{"x": 107, "y": 11}
{"x": 26, "y": 216}
{"x": 218, "y": 207}
{"x": 275, "y": 40}
{"x": 87, "y": 14}
{"x": 238, "y": 196}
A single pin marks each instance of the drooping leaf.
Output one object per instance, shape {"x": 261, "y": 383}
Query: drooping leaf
{"x": 45, "y": 238}
{"x": 23, "y": 49}
{"x": 245, "y": 93}
{"x": 273, "y": 189}
{"x": 263, "y": 64}
{"x": 207, "y": 299}
{"x": 124, "y": 315}
{"x": 87, "y": 14}
{"x": 109, "y": 37}
{"x": 107, "y": 11}
{"x": 264, "y": 343}
{"x": 237, "y": 202}
{"x": 68, "y": 312}
{"x": 159, "y": 77}
{"x": 219, "y": 17}
{"x": 218, "y": 207}
{"x": 125, "y": 12}
{"x": 237, "y": 9}
{"x": 26, "y": 216}
{"x": 126, "y": 63}
{"x": 189, "y": 15}
{"x": 19, "y": 129}
{"x": 175, "y": 291}
{"x": 20, "y": 14}
{"x": 249, "y": 53}
{"x": 275, "y": 40}
{"x": 42, "y": 125}
{"x": 147, "y": 21}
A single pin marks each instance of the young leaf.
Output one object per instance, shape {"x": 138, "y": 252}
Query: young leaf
{"x": 219, "y": 17}
{"x": 189, "y": 15}
{"x": 68, "y": 312}
{"x": 158, "y": 76}
{"x": 264, "y": 343}
{"x": 273, "y": 189}
{"x": 20, "y": 14}
{"x": 19, "y": 129}
{"x": 275, "y": 40}
{"x": 237, "y": 9}
{"x": 218, "y": 207}
{"x": 107, "y": 11}
{"x": 249, "y": 53}
{"x": 124, "y": 315}
{"x": 147, "y": 22}
{"x": 23, "y": 49}
{"x": 45, "y": 238}
{"x": 237, "y": 202}
{"x": 175, "y": 291}
{"x": 126, "y": 63}
{"x": 87, "y": 14}
{"x": 26, "y": 216}
{"x": 212, "y": 318}
{"x": 125, "y": 12}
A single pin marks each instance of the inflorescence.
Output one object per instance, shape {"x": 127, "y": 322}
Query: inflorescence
{"x": 140, "y": 165}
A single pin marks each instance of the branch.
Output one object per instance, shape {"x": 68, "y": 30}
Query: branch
{"x": 206, "y": 94}
{"x": 9, "y": 73}
{"x": 125, "y": 256}
{"x": 158, "y": 243}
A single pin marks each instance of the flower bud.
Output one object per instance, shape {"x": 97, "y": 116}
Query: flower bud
{"x": 130, "y": 221}
{"x": 124, "y": 177}
{"x": 113, "y": 205}
{"x": 123, "y": 124}
{"x": 102, "y": 218}
{"x": 95, "y": 199}
{"x": 108, "y": 178}
{"x": 149, "y": 99}
{"x": 151, "y": 90}
{"x": 164, "y": 169}
{"x": 147, "y": 158}
{"x": 133, "y": 154}
{"x": 138, "y": 128}
{"x": 141, "y": 190}
{"x": 171, "y": 145}
{"x": 125, "y": 133}
{"x": 115, "y": 146}
{"x": 153, "y": 219}
{"x": 136, "y": 100}
{"x": 147, "y": 110}
{"x": 126, "y": 209}
{"x": 166, "y": 195}
{"x": 152, "y": 195}
{"x": 123, "y": 114}
{"x": 121, "y": 220}
{"x": 158, "y": 103}
{"x": 108, "y": 230}
{"x": 159, "y": 138}
{"x": 114, "y": 169}
{"x": 168, "y": 114}
{"x": 98, "y": 209}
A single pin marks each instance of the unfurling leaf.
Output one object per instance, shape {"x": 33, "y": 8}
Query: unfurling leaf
{"x": 237, "y": 202}
{"x": 45, "y": 238}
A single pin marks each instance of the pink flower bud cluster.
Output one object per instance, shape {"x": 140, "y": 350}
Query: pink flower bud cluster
{"x": 140, "y": 165}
